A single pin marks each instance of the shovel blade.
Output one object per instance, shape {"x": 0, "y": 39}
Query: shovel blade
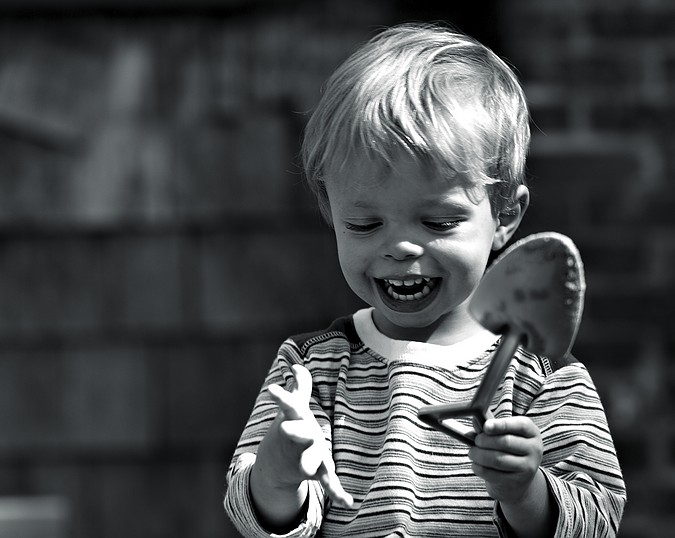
{"x": 536, "y": 287}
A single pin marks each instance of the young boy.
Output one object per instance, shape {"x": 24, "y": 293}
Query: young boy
{"x": 416, "y": 152}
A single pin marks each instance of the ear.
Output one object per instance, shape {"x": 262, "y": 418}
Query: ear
{"x": 509, "y": 219}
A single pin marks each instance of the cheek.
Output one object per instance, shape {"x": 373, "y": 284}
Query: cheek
{"x": 465, "y": 262}
{"x": 352, "y": 260}
{"x": 347, "y": 253}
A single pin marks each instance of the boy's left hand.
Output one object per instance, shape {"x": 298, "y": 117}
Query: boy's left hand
{"x": 507, "y": 455}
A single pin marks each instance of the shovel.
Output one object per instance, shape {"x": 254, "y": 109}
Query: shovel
{"x": 533, "y": 295}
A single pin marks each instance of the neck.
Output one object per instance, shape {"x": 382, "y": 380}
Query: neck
{"x": 445, "y": 331}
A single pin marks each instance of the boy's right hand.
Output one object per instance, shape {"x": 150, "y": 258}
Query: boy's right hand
{"x": 295, "y": 448}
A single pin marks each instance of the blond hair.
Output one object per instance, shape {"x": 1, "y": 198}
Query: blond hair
{"x": 432, "y": 91}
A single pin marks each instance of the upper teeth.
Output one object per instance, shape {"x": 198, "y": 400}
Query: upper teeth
{"x": 407, "y": 282}
{"x": 410, "y": 294}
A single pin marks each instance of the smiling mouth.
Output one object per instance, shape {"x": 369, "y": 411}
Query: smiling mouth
{"x": 409, "y": 289}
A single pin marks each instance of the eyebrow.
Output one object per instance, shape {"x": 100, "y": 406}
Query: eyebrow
{"x": 363, "y": 205}
{"x": 445, "y": 202}
{"x": 425, "y": 204}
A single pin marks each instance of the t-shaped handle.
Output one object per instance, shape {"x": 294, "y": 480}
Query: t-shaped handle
{"x": 444, "y": 417}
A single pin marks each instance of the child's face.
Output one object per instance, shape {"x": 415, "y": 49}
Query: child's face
{"x": 412, "y": 245}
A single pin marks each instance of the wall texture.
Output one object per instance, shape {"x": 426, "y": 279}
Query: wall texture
{"x": 600, "y": 79}
{"x": 157, "y": 242}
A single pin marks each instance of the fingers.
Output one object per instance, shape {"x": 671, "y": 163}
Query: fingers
{"x": 518, "y": 425}
{"x": 513, "y": 434}
{"x": 303, "y": 382}
{"x": 316, "y": 462}
{"x": 486, "y": 473}
{"x": 510, "y": 444}
{"x": 294, "y": 404}
{"x": 300, "y": 426}
{"x": 498, "y": 461}
{"x": 289, "y": 404}
{"x": 332, "y": 485}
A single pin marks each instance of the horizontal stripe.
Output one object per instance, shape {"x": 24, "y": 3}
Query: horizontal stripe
{"x": 410, "y": 480}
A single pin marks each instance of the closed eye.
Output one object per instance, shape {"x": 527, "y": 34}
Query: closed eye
{"x": 442, "y": 225}
{"x": 362, "y": 228}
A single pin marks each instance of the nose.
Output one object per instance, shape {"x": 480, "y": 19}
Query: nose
{"x": 403, "y": 250}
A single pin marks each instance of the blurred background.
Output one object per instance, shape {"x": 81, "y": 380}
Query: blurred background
{"x": 157, "y": 242}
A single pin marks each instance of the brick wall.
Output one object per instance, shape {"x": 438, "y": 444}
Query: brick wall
{"x": 599, "y": 76}
{"x": 156, "y": 241}
{"x": 156, "y": 245}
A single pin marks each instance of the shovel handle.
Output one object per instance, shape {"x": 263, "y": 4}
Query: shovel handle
{"x": 444, "y": 417}
{"x": 496, "y": 370}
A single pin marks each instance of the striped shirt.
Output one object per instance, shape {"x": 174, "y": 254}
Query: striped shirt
{"x": 408, "y": 479}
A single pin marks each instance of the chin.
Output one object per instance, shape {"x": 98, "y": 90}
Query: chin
{"x": 410, "y": 320}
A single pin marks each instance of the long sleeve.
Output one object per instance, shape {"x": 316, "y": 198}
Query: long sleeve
{"x": 580, "y": 462}
{"x": 239, "y": 505}
{"x": 238, "y": 502}
{"x": 408, "y": 479}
